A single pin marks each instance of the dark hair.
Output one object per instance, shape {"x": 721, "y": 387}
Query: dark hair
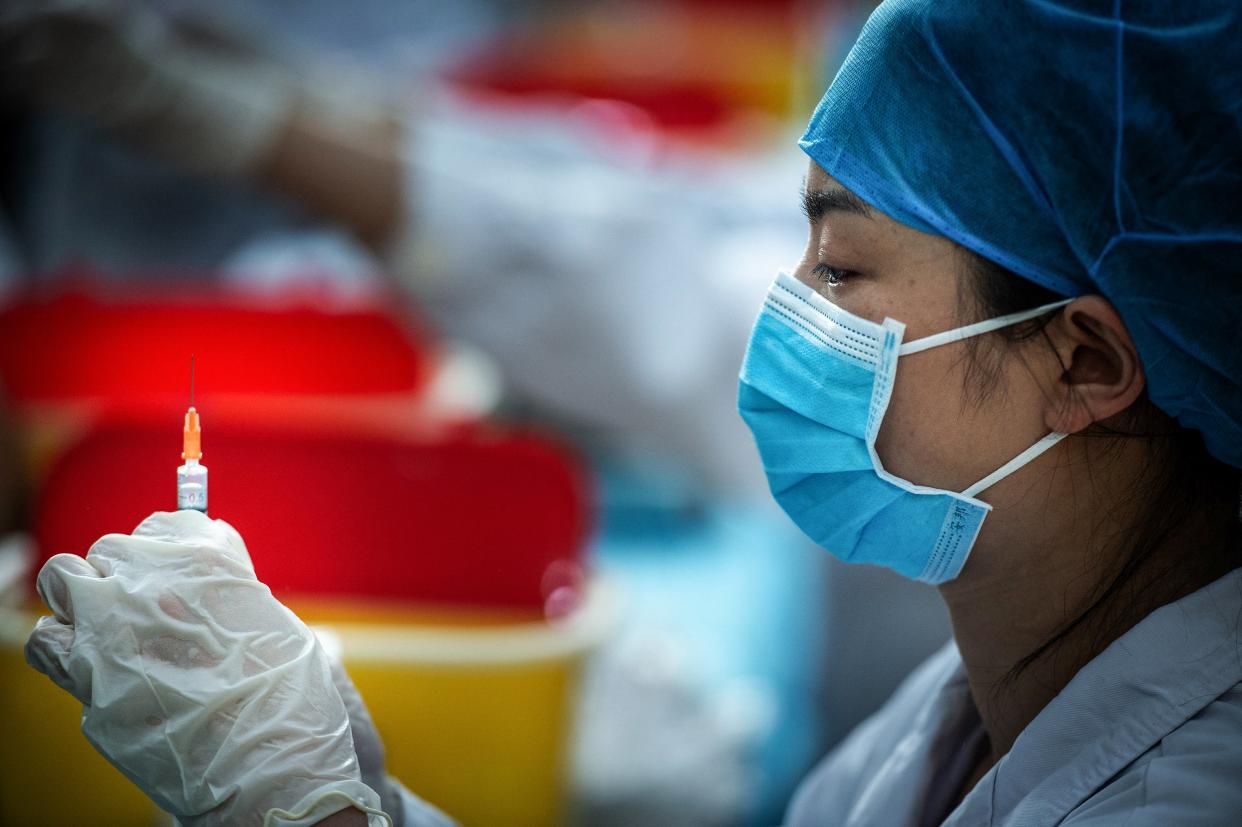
{"x": 1180, "y": 476}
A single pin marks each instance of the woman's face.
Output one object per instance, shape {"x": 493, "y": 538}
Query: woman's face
{"x": 934, "y": 433}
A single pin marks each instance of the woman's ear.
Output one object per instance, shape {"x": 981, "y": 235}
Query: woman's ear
{"x": 1101, "y": 374}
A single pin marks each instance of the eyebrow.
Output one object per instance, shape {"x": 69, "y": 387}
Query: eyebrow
{"x": 818, "y": 203}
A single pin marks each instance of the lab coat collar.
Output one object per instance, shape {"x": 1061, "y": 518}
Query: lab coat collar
{"x": 900, "y": 785}
{"x": 1146, "y": 684}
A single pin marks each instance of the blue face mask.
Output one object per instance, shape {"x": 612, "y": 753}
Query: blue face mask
{"x": 814, "y": 388}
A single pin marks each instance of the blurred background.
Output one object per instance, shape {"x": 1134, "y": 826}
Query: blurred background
{"x": 467, "y": 286}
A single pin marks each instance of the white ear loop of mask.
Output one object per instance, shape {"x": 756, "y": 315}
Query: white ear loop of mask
{"x": 1014, "y": 464}
{"x": 976, "y": 329}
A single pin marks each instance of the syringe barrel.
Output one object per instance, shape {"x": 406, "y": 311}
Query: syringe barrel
{"x": 192, "y": 486}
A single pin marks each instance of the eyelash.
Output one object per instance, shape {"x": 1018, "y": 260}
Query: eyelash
{"x": 831, "y": 276}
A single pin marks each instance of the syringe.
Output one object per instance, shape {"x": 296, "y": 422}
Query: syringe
{"x": 192, "y": 476}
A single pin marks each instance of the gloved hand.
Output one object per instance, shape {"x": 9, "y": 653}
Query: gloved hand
{"x": 205, "y": 691}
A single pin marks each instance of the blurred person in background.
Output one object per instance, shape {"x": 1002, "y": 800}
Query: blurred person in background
{"x": 1069, "y": 695}
{"x": 533, "y": 238}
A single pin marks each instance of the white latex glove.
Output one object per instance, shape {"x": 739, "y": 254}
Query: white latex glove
{"x": 205, "y": 691}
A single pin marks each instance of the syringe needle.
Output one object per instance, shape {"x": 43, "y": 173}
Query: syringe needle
{"x": 191, "y": 380}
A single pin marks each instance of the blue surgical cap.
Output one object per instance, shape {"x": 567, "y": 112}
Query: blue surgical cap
{"x": 1091, "y": 147}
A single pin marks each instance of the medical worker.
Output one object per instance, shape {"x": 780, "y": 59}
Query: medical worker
{"x": 1008, "y": 364}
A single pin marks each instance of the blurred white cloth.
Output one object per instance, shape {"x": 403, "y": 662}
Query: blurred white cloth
{"x": 656, "y": 745}
{"x": 17, "y": 555}
{"x": 614, "y": 287}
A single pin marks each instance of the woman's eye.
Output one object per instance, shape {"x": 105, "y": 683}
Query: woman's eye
{"x": 831, "y": 276}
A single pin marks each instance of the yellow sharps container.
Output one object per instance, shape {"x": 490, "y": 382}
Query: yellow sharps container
{"x": 476, "y": 713}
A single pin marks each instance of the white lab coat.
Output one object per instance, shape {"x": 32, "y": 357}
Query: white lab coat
{"x": 1147, "y": 734}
